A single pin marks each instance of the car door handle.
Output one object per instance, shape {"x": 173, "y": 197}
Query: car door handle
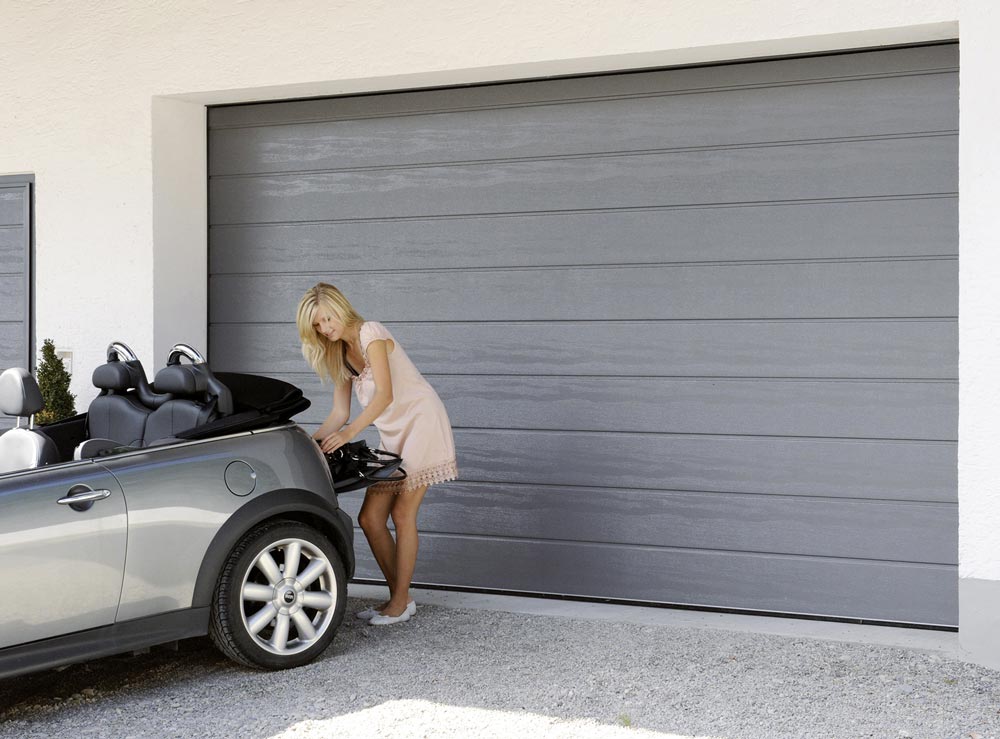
{"x": 83, "y": 495}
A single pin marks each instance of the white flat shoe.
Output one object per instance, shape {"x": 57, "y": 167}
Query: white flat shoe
{"x": 369, "y": 613}
{"x": 380, "y": 620}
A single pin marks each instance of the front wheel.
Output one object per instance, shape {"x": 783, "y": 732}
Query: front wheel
{"x": 280, "y": 597}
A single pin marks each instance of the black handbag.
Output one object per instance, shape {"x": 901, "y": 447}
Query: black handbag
{"x": 355, "y": 465}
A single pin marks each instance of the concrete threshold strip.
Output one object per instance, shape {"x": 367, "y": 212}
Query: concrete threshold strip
{"x": 944, "y": 643}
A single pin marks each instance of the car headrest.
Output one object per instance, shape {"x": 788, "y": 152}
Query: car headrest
{"x": 216, "y": 389}
{"x": 121, "y": 375}
{"x": 113, "y": 376}
{"x": 182, "y": 379}
{"x": 19, "y": 393}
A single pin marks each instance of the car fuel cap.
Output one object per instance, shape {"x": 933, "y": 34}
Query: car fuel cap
{"x": 241, "y": 479}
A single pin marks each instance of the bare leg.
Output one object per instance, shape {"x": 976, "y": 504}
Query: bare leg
{"x": 374, "y": 519}
{"x": 404, "y": 516}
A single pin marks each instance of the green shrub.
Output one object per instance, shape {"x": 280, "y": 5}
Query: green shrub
{"x": 53, "y": 381}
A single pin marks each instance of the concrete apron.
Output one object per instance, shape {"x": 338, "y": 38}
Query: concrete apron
{"x": 979, "y": 621}
{"x": 944, "y": 643}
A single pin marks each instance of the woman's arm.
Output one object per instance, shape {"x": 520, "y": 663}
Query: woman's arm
{"x": 378, "y": 358}
{"x": 340, "y": 413}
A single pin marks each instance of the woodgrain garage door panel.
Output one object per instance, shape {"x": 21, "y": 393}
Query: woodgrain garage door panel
{"x": 882, "y": 470}
{"x": 912, "y": 348}
{"x": 757, "y": 581}
{"x": 851, "y": 108}
{"x": 872, "y": 168}
{"x": 14, "y": 246}
{"x": 918, "y": 471}
{"x": 11, "y": 345}
{"x": 788, "y": 290}
{"x": 888, "y": 228}
{"x": 12, "y": 254}
{"x": 12, "y": 305}
{"x": 917, "y": 532}
{"x": 917, "y": 410}
{"x": 696, "y": 328}
{"x": 805, "y": 71}
{"x": 12, "y": 205}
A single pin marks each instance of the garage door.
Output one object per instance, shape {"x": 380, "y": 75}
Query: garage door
{"x": 15, "y": 233}
{"x": 696, "y": 328}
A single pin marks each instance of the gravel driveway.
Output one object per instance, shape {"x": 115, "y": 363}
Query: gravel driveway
{"x": 461, "y": 673}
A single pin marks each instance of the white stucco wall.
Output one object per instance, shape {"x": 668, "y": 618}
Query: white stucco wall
{"x": 103, "y": 102}
{"x": 979, "y": 288}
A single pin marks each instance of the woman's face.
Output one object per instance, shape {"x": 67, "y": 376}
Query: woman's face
{"x": 327, "y": 324}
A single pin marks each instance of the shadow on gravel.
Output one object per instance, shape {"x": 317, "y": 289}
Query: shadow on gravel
{"x": 65, "y": 686}
{"x": 126, "y": 675}
{"x": 454, "y": 672}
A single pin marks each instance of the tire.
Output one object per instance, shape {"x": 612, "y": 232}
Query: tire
{"x": 305, "y": 608}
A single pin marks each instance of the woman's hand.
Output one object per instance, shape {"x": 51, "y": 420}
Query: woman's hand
{"x": 335, "y": 440}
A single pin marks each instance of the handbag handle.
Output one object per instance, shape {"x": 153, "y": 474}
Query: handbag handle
{"x": 365, "y": 458}
{"x": 387, "y": 467}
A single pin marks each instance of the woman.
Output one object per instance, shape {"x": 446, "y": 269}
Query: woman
{"x": 412, "y": 422}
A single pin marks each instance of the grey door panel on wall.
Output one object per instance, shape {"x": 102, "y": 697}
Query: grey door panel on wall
{"x": 817, "y": 408}
{"x": 896, "y": 288}
{"x": 800, "y": 171}
{"x": 909, "y": 227}
{"x": 723, "y": 77}
{"x": 696, "y": 328}
{"x": 848, "y": 108}
{"x": 841, "y": 348}
{"x": 15, "y": 235}
{"x": 793, "y": 525}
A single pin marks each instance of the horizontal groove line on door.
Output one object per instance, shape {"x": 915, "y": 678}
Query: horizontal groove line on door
{"x": 604, "y": 489}
{"x": 582, "y": 156}
{"x": 613, "y": 266}
{"x": 692, "y": 434}
{"x": 707, "y": 378}
{"x": 629, "y": 322}
{"x": 653, "y": 547}
{"x": 503, "y": 430}
{"x": 805, "y": 81}
{"x": 10, "y": 226}
{"x": 621, "y": 209}
{"x": 679, "y": 378}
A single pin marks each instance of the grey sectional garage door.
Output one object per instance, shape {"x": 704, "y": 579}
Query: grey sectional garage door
{"x": 696, "y": 328}
{"x": 15, "y": 232}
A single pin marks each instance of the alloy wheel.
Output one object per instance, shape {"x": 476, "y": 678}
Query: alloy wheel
{"x": 288, "y": 596}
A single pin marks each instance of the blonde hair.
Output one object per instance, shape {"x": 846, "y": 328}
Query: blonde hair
{"x": 324, "y": 356}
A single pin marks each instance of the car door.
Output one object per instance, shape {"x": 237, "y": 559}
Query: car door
{"x": 62, "y": 551}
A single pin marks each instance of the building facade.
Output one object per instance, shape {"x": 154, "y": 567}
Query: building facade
{"x": 707, "y": 288}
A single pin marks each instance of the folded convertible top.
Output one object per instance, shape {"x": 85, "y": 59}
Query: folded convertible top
{"x": 258, "y": 402}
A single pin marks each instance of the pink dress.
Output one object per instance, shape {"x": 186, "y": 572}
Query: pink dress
{"x": 415, "y": 425}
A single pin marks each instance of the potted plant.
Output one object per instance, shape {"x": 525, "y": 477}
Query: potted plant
{"x": 53, "y": 382}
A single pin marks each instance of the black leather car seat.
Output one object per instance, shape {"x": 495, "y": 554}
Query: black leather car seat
{"x": 23, "y": 448}
{"x": 198, "y": 397}
{"x": 117, "y": 417}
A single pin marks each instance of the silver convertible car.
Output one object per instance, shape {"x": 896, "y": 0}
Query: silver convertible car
{"x": 187, "y": 507}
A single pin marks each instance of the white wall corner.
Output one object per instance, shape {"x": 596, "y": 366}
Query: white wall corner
{"x": 979, "y": 299}
{"x": 979, "y": 336}
{"x": 180, "y": 226}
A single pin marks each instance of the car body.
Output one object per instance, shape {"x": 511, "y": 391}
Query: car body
{"x": 231, "y": 529}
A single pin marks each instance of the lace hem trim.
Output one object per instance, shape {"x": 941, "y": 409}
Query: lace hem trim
{"x": 427, "y": 476}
